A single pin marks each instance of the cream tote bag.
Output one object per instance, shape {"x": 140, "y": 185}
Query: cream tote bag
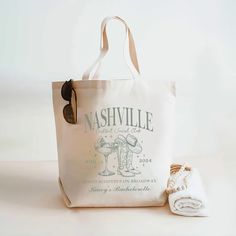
{"x": 114, "y": 137}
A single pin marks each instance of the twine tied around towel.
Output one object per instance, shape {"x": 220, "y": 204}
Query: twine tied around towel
{"x": 176, "y": 171}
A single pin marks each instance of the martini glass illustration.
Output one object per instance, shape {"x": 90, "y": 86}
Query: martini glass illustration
{"x": 106, "y": 149}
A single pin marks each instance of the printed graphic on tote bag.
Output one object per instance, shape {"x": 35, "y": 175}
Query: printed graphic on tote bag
{"x": 120, "y": 140}
{"x": 119, "y": 156}
{"x": 125, "y": 148}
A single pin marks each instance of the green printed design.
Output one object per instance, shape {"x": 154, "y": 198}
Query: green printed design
{"x": 125, "y": 148}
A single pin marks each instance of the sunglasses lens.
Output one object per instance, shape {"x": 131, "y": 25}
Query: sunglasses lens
{"x": 66, "y": 90}
{"x": 69, "y": 114}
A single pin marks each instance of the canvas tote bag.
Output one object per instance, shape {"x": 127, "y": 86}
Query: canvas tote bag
{"x": 118, "y": 151}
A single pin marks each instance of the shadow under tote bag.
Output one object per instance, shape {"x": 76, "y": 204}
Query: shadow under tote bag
{"x": 118, "y": 151}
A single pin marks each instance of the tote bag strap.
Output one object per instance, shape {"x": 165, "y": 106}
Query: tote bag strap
{"x": 104, "y": 47}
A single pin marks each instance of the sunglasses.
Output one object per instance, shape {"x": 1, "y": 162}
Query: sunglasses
{"x": 69, "y": 110}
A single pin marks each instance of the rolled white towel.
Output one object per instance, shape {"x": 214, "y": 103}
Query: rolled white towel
{"x": 186, "y": 194}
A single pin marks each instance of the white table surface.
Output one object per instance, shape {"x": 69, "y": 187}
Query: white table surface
{"x": 31, "y": 204}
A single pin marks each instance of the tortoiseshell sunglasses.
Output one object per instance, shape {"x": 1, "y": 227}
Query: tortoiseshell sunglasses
{"x": 69, "y": 110}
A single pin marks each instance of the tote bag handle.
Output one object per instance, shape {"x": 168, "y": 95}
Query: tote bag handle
{"x": 104, "y": 47}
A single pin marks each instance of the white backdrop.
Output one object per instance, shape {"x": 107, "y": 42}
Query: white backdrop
{"x": 192, "y": 42}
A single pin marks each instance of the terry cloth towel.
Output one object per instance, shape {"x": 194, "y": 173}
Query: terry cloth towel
{"x": 186, "y": 194}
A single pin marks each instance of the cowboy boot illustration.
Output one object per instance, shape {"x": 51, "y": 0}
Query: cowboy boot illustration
{"x": 133, "y": 146}
{"x": 122, "y": 157}
{"x": 130, "y": 164}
